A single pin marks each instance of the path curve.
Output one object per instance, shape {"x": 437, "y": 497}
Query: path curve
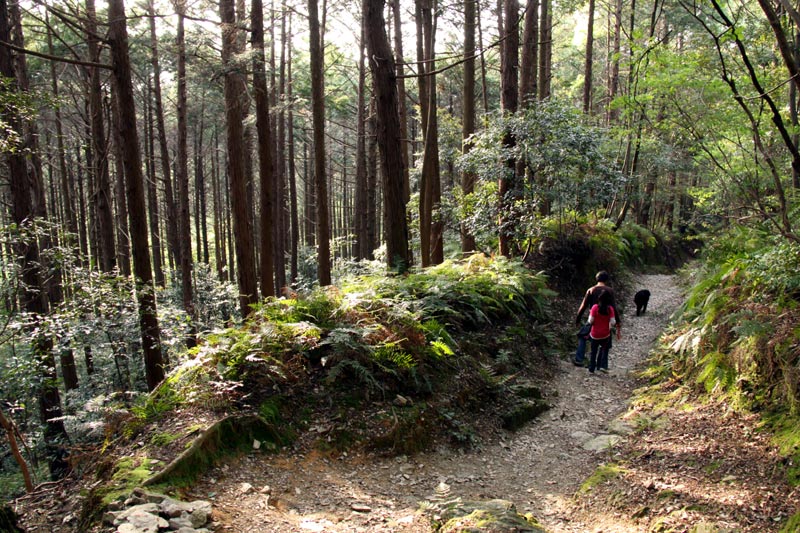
{"x": 539, "y": 468}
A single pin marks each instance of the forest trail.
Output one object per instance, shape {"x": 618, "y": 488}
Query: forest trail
{"x": 539, "y": 467}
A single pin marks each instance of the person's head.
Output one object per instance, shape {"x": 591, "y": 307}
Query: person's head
{"x": 604, "y": 301}
{"x": 602, "y": 277}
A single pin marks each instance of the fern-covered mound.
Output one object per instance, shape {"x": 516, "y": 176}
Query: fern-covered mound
{"x": 384, "y": 364}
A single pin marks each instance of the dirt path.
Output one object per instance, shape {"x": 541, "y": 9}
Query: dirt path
{"x": 539, "y": 468}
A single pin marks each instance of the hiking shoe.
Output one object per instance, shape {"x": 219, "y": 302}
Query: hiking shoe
{"x": 577, "y": 363}
{"x": 604, "y": 370}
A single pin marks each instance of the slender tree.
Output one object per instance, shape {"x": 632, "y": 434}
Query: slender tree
{"x": 166, "y": 173}
{"x": 388, "y": 134}
{"x": 509, "y": 90}
{"x": 182, "y": 178}
{"x": 100, "y": 178}
{"x": 318, "y": 116}
{"x": 234, "y": 115}
{"x": 145, "y": 290}
{"x": 265, "y": 166}
{"x": 468, "y": 112}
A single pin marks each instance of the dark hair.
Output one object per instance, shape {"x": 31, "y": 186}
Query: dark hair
{"x": 604, "y": 302}
{"x": 602, "y": 276}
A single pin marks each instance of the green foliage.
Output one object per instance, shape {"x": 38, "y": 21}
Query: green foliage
{"x": 738, "y": 332}
{"x": 572, "y": 161}
{"x": 377, "y": 332}
{"x": 601, "y": 475}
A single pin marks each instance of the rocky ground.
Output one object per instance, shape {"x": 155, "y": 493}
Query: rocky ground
{"x": 652, "y": 477}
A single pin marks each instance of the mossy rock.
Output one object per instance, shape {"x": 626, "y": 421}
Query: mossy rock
{"x": 226, "y": 437}
{"x": 490, "y": 516}
{"x": 526, "y": 389}
{"x": 523, "y": 412}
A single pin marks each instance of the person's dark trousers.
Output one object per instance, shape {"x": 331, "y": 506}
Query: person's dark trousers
{"x": 599, "y": 357}
{"x": 580, "y": 353}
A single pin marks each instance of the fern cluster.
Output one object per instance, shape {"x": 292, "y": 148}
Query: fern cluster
{"x": 739, "y": 335}
{"x": 381, "y": 332}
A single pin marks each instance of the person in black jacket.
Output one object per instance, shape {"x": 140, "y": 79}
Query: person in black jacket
{"x": 589, "y": 299}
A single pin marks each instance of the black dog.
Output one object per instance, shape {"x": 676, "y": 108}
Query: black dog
{"x": 640, "y": 299}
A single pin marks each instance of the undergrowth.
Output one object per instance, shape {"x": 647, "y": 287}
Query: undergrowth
{"x": 737, "y": 339}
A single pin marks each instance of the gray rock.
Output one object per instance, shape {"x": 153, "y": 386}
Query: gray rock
{"x": 620, "y": 427}
{"x": 151, "y": 497}
{"x": 127, "y": 528}
{"x": 601, "y": 442}
{"x": 174, "y": 508}
{"x": 581, "y": 436}
{"x": 200, "y": 516}
{"x": 147, "y": 522}
{"x": 144, "y": 508}
{"x": 110, "y": 518}
{"x": 182, "y": 521}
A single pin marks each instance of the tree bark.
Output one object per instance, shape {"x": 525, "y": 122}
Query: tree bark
{"x": 166, "y": 174}
{"x": 318, "y": 114}
{"x": 234, "y": 114}
{"x": 152, "y": 192}
{"x": 362, "y": 243}
{"x": 530, "y": 54}
{"x": 509, "y": 92}
{"x": 182, "y": 178}
{"x": 587, "y": 71}
{"x": 388, "y": 135}
{"x": 265, "y": 166}
{"x": 295, "y": 237}
{"x": 102, "y": 191}
{"x": 145, "y": 291}
{"x": 468, "y": 113}
{"x": 123, "y": 242}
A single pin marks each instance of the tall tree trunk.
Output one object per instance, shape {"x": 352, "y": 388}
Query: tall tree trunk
{"x": 280, "y": 159}
{"x": 361, "y": 154}
{"x": 401, "y": 96}
{"x": 123, "y": 232}
{"x": 431, "y": 172}
{"x": 587, "y": 71}
{"x": 389, "y": 135}
{"x": 33, "y": 297}
{"x": 219, "y": 222}
{"x": 509, "y": 92}
{"x": 265, "y": 168}
{"x": 530, "y": 54}
{"x": 468, "y": 113}
{"x": 295, "y": 237}
{"x": 102, "y": 191}
{"x": 145, "y": 291}
{"x": 318, "y": 115}
{"x": 545, "y": 48}
{"x": 166, "y": 174}
{"x": 83, "y": 231}
{"x": 66, "y": 189}
{"x": 234, "y": 115}
{"x": 182, "y": 177}
{"x": 613, "y": 78}
{"x": 372, "y": 218}
{"x": 152, "y": 191}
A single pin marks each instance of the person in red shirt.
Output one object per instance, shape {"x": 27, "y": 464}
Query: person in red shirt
{"x": 603, "y": 279}
{"x": 602, "y": 317}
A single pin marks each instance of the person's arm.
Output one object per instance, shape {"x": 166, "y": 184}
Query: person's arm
{"x": 615, "y": 320}
{"x": 582, "y": 309}
{"x": 614, "y": 305}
